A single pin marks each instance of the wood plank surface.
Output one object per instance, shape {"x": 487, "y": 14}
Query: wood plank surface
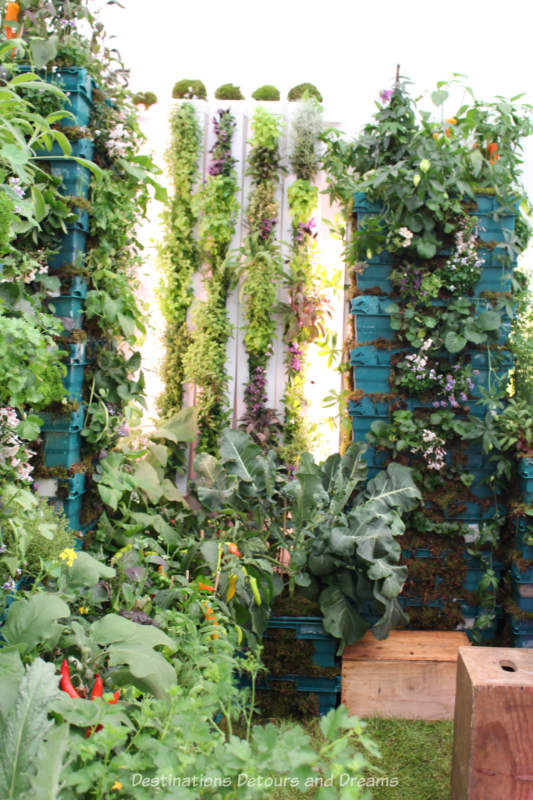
{"x": 493, "y": 728}
{"x": 408, "y": 690}
{"x": 408, "y": 646}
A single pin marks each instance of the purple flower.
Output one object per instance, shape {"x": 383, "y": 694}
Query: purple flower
{"x": 385, "y": 95}
{"x": 123, "y": 430}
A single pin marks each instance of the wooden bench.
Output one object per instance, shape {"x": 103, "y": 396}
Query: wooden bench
{"x": 409, "y": 675}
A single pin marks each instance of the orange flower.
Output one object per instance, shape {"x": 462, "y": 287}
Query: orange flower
{"x": 205, "y": 587}
{"x": 451, "y": 121}
{"x": 11, "y": 15}
{"x": 233, "y": 549}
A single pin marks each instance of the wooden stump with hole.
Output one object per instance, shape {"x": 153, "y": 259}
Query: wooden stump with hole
{"x": 409, "y": 675}
{"x": 493, "y": 727}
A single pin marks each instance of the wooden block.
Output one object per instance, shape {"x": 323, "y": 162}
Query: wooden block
{"x": 409, "y": 675}
{"x": 493, "y": 727}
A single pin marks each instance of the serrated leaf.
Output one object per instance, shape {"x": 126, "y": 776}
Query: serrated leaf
{"x": 47, "y": 784}
{"x": 25, "y": 728}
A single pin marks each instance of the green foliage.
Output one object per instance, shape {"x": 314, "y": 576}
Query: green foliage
{"x": 342, "y": 537}
{"x": 229, "y": 92}
{"x": 24, "y": 723}
{"x": 188, "y": 89}
{"x": 266, "y": 92}
{"x": 178, "y": 254}
{"x": 304, "y": 91}
{"x": 7, "y": 209}
{"x": 32, "y": 359}
{"x": 307, "y": 127}
{"x": 306, "y": 310}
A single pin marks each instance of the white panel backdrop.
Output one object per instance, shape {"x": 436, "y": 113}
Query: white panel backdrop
{"x": 321, "y": 380}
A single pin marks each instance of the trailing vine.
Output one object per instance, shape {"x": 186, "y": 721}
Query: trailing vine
{"x": 179, "y": 253}
{"x": 205, "y": 359}
{"x": 306, "y": 309}
{"x": 261, "y": 271}
{"x": 432, "y": 200}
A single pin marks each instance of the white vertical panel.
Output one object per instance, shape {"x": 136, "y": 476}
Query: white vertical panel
{"x": 320, "y": 379}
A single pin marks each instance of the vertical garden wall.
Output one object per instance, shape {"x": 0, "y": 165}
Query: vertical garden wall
{"x": 75, "y": 193}
{"x": 434, "y": 253}
{"x": 243, "y": 293}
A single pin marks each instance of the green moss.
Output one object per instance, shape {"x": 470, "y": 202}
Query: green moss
{"x": 145, "y": 99}
{"x": 304, "y": 90}
{"x": 229, "y": 92}
{"x": 187, "y": 89}
{"x": 266, "y": 92}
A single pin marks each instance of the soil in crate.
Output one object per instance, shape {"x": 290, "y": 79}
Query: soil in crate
{"x": 284, "y": 653}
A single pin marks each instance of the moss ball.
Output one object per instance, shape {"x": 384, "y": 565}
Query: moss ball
{"x": 303, "y": 89}
{"x": 188, "y": 89}
{"x": 267, "y": 92}
{"x": 145, "y": 99}
{"x": 229, "y": 92}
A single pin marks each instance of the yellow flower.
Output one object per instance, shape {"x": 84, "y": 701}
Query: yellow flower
{"x": 117, "y": 785}
{"x": 83, "y": 610}
{"x": 69, "y": 555}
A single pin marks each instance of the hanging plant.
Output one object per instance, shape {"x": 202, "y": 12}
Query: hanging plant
{"x": 205, "y": 359}
{"x": 306, "y": 309}
{"x": 179, "y": 254}
{"x": 261, "y": 270}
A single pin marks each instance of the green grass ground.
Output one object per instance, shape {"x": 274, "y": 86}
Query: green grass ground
{"x": 418, "y": 753}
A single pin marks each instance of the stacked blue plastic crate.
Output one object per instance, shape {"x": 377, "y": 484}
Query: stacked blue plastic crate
{"x": 372, "y": 365}
{"x": 325, "y": 688}
{"x": 521, "y": 573}
{"x": 62, "y": 433}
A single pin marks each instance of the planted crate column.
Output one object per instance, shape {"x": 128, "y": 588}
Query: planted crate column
{"x": 377, "y": 401}
{"x": 62, "y": 432}
{"x": 522, "y": 566}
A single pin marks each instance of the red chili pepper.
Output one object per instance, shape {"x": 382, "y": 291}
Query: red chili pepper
{"x": 98, "y": 688}
{"x": 116, "y": 696}
{"x": 65, "y": 683}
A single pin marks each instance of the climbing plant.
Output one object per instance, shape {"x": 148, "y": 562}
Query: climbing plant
{"x": 261, "y": 270}
{"x": 205, "y": 359}
{"x": 179, "y": 252}
{"x": 306, "y": 308}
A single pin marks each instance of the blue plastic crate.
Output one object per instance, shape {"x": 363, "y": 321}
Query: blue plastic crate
{"x": 522, "y": 590}
{"x": 325, "y": 646}
{"x": 73, "y": 382}
{"x": 80, "y": 105}
{"x": 75, "y": 178}
{"x": 326, "y": 689}
{"x": 523, "y": 532}
{"x": 525, "y": 471}
{"x": 80, "y": 148}
{"x": 69, "y": 309}
{"x": 71, "y": 250}
{"x": 61, "y": 449}
{"x": 522, "y": 632}
{"x": 63, "y": 423}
